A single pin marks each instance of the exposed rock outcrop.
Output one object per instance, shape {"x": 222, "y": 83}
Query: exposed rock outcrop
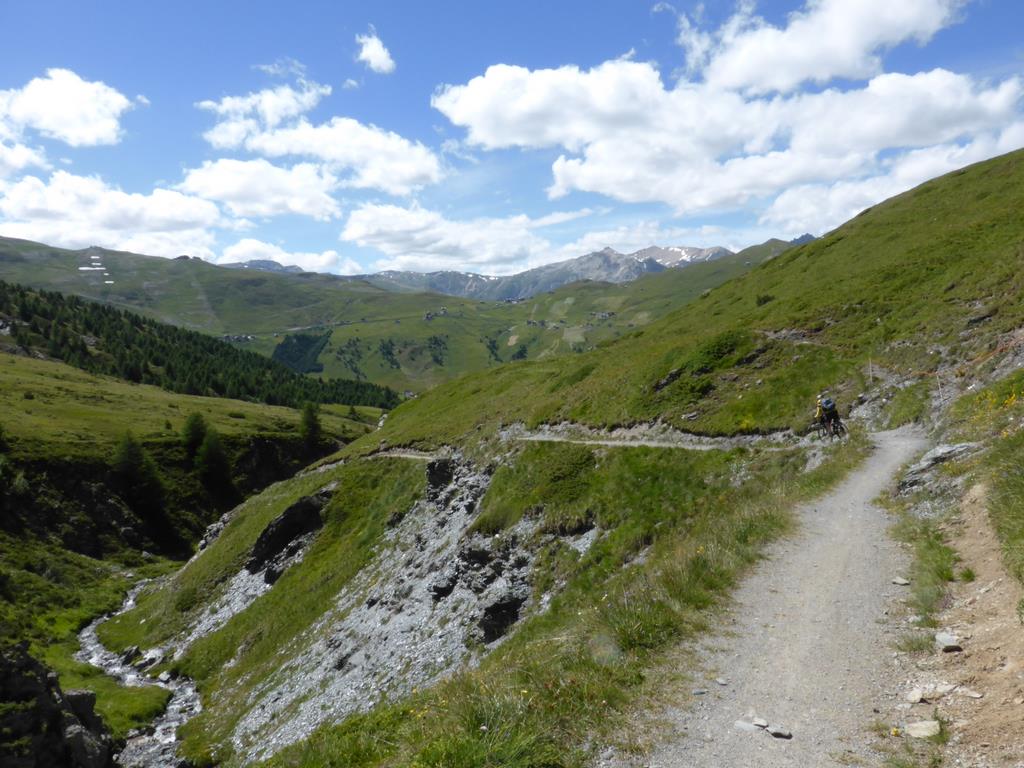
{"x": 286, "y": 535}
{"x": 282, "y": 544}
{"x": 940, "y": 454}
{"x": 41, "y": 725}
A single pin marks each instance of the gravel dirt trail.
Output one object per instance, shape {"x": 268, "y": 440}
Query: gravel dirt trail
{"x": 807, "y": 643}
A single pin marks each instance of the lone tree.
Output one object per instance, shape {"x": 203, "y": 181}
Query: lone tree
{"x": 309, "y": 426}
{"x": 138, "y": 476}
{"x": 193, "y": 434}
{"x": 212, "y": 463}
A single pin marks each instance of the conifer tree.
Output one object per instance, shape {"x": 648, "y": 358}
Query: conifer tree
{"x": 138, "y": 476}
{"x": 212, "y": 462}
{"x": 193, "y": 434}
{"x": 309, "y": 427}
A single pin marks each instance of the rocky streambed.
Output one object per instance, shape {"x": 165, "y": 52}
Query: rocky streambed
{"x": 156, "y": 745}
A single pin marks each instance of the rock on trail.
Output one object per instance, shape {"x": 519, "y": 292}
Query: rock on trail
{"x": 813, "y": 654}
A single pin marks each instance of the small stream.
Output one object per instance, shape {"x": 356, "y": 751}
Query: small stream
{"x": 154, "y": 746}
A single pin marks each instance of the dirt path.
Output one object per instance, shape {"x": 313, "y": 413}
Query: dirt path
{"x": 806, "y": 645}
{"x": 651, "y": 436}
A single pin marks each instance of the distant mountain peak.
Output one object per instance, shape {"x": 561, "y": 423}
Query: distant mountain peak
{"x": 264, "y": 265}
{"x": 680, "y": 255}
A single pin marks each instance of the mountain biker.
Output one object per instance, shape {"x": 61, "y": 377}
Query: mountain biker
{"x": 826, "y": 411}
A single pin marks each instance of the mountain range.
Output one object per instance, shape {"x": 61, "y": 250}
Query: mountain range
{"x": 606, "y": 265}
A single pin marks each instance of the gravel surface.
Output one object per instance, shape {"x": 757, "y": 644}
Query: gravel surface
{"x": 807, "y": 646}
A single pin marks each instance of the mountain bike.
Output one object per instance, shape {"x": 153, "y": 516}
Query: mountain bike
{"x": 832, "y": 428}
{"x": 835, "y": 428}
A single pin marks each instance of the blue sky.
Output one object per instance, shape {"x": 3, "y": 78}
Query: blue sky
{"x": 490, "y": 137}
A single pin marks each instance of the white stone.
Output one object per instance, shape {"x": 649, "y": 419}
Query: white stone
{"x": 923, "y": 729}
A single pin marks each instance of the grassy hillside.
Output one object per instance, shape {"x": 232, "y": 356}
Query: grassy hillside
{"x": 70, "y": 542}
{"x": 101, "y": 339}
{"x": 189, "y": 292}
{"x": 928, "y": 280}
{"x": 412, "y": 352}
{"x": 53, "y": 411}
{"x": 409, "y": 341}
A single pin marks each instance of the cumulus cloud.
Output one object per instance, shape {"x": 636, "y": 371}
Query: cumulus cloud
{"x": 16, "y": 157}
{"x": 414, "y": 238}
{"x": 373, "y": 53}
{"x": 826, "y": 40}
{"x": 719, "y": 143}
{"x": 823, "y": 206}
{"x": 60, "y": 106}
{"x": 65, "y": 107}
{"x": 77, "y": 211}
{"x": 259, "y": 188}
{"x": 372, "y": 157}
{"x": 272, "y": 123}
{"x": 249, "y": 249}
{"x": 242, "y": 116}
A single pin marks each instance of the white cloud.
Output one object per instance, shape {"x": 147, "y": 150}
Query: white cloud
{"x": 373, "y": 53}
{"x": 65, "y": 107}
{"x": 350, "y": 84}
{"x": 418, "y": 239}
{"x": 699, "y": 147}
{"x": 820, "y": 207}
{"x": 374, "y": 158}
{"x": 78, "y": 211}
{"x": 259, "y": 188}
{"x": 16, "y": 157}
{"x": 270, "y": 123}
{"x": 826, "y": 40}
{"x": 249, "y": 249}
{"x": 739, "y": 130}
{"x": 241, "y": 116}
{"x": 286, "y": 66}
{"x": 455, "y": 148}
